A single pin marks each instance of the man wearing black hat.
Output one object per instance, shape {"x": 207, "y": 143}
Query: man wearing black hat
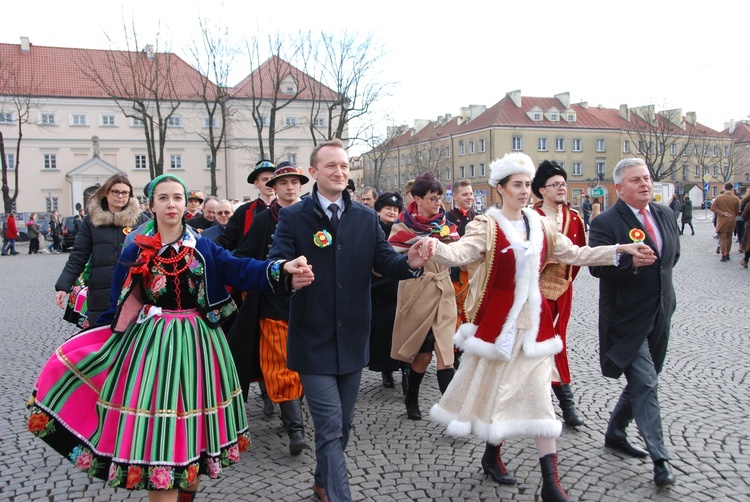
{"x": 242, "y": 218}
{"x": 550, "y": 185}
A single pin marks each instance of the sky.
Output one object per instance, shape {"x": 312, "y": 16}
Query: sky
{"x": 665, "y": 53}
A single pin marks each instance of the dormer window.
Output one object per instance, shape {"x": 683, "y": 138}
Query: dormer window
{"x": 554, "y": 117}
{"x": 537, "y": 117}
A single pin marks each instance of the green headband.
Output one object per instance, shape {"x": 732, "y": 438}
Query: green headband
{"x": 170, "y": 177}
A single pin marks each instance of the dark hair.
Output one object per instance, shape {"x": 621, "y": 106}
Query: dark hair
{"x": 102, "y": 192}
{"x": 425, "y": 183}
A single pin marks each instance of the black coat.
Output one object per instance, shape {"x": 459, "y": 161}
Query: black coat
{"x": 329, "y": 321}
{"x": 634, "y": 303}
{"x": 384, "y": 292}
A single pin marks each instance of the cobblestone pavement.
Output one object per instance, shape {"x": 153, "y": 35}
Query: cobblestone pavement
{"x": 704, "y": 397}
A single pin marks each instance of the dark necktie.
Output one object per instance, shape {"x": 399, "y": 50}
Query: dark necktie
{"x": 649, "y": 227}
{"x": 334, "y": 209}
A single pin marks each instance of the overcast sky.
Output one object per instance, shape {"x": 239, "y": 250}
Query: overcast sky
{"x": 672, "y": 54}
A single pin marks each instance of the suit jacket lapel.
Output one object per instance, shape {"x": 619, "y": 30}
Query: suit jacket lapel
{"x": 633, "y": 222}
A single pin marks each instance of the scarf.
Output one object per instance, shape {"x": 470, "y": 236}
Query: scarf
{"x": 410, "y": 227}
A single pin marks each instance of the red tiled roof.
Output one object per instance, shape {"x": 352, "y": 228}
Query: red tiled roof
{"x": 264, "y": 83}
{"x": 741, "y": 132}
{"x": 65, "y": 72}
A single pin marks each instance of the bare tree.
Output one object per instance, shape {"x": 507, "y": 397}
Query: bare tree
{"x": 719, "y": 157}
{"x": 379, "y": 157}
{"x": 213, "y": 56}
{"x": 141, "y": 80}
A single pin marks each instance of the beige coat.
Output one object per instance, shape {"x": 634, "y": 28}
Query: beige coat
{"x": 726, "y": 203}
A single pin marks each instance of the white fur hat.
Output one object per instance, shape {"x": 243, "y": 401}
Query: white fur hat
{"x": 511, "y": 163}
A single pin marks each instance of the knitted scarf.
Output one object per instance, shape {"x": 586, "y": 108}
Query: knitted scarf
{"x": 410, "y": 227}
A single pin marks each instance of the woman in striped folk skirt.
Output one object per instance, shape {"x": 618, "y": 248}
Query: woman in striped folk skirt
{"x": 151, "y": 400}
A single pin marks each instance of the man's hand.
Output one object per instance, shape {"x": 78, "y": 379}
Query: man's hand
{"x": 300, "y": 271}
{"x": 643, "y": 255}
{"x": 421, "y": 252}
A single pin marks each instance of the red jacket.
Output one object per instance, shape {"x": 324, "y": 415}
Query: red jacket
{"x": 11, "y": 231}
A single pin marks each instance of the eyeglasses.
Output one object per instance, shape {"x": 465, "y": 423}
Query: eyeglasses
{"x": 224, "y": 213}
{"x": 118, "y": 193}
{"x": 435, "y": 200}
{"x": 557, "y": 185}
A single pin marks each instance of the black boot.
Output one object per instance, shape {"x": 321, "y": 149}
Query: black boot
{"x": 388, "y": 379}
{"x": 444, "y": 378}
{"x": 405, "y": 379}
{"x": 185, "y": 496}
{"x": 551, "y": 489}
{"x": 291, "y": 418}
{"x": 269, "y": 408}
{"x": 567, "y": 405}
{"x": 412, "y": 395}
{"x": 494, "y": 467}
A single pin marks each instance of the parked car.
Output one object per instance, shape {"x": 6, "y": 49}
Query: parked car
{"x": 23, "y": 236}
{"x": 69, "y": 231}
{"x": 706, "y": 204}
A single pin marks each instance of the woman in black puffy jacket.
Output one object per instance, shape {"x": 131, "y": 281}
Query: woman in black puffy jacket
{"x": 113, "y": 211}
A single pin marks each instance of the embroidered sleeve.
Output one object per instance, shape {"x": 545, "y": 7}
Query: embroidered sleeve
{"x": 468, "y": 249}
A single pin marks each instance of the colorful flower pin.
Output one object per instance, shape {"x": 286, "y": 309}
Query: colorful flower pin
{"x": 322, "y": 238}
{"x": 637, "y": 235}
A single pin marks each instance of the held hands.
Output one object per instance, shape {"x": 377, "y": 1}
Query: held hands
{"x": 421, "y": 252}
{"x": 300, "y": 271}
{"x": 60, "y": 299}
{"x": 643, "y": 255}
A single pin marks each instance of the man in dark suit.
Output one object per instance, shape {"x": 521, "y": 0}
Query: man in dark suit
{"x": 329, "y": 322}
{"x": 636, "y": 303}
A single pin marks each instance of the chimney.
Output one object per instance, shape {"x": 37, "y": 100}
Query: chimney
{"x": 691, "y": 118}
{"x": 625, "y": 112}
{"x": 564, "y": 99}
{"x": 584, "y": 105}
{"x": 149, "y": 51}
{"x": 420, "y": 124}
{"x": 516, "y": 97}
{"x": 732, "y": 126}
{"x": 25, "y": 44}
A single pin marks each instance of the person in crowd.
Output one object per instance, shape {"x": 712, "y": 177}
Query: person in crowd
{"x": 224, "y": 211}
{"x": 55, "y": 229}
{"x": 207, "y": 219}
{"x": 726, "y": 207}
{"x": 636, "y": 303}
{"x": 550, "y": 186}
{"x": 32, "y": 230}
{"x": 383, "y": 293}
{"x": 501, "y": 389}
{"x": 150, "y": 400}
{"x": 351, "y": 188}
{"x": 745, "y": 215}
{"x": 426, "y": 311}
{"x": 113, "y": 211}
{"x": 596, "y": 208}
{"x": 194, "y": 204}
{"x": 329, "y": 322}
{"x": 675, "y": 206}
{"x": 586, "y": 210}
{"x": 243, "y": 216}
{"x": 687, "y": 215}
{"x": 10, "y": 234}
{"x": 369, "y": 196}
{"x": 407, "y": 193}
{"x": 266, "y": 335}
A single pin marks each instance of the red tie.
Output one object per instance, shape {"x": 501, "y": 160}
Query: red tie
{"x": 649, "y": 227}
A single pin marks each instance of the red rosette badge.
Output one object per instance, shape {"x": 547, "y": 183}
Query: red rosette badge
{"x": 637, "y": 235}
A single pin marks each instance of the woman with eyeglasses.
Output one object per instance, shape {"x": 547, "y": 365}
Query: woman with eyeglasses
{"x": 113, "y": 211}
{"x": 426, "y": 313}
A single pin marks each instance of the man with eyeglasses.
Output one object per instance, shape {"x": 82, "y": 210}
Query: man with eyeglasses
{"x": 224, "y": 210}
{"x": 208, "y": 218}
{"x": 556, "y": 281}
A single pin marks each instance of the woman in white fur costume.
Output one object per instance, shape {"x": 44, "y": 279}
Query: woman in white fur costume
{"x": 501, "y": 389}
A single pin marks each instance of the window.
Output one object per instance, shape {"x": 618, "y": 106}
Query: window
{"x": 697, "y": 149}
{"x": 107, "y": 120}
{"x": 559, "y": 144}
{"x": 577, "y": 145}
{"x": 411, "y": 157}
{"x": 482, "y": 146}
{"x": 673, "y": 148}
{"x": 175, "y": 161}
{"x": 420, "y": 156}
{"x": 577, "y": 168}
{"x": 6, "y": 118}
{"x": 461, "y": 148}
{"x": 517, "y": 143}
{"x": 482, "y": 171}
{"x": 726, "y": 151}
{"x": 10, "y": 161}
{"x": 571, "y": 117}
{"x": 448, "y": 153}
{"x": 600, "y": 145}
{"x": 174, "y": 121}
{"x": 554, "y": 117}
{"x": 447, "y": 175}
{"x": 319, "y": 122}
{"x": 537, "y": 117}
{"x": 626, "y": 146}
{"x": 716, "y": 170}
{"x": 291, "y": 120}
{"x": 472, "y": 173}
{"x": 209, "y": 122}
{"x": 471, "y": 147}
{"x": 50, "y": 161}
{"x": 140, "y": 162}
{"x": 292, "y": 157}
{"x": 685, "y": 171}
{"x": 136, "y": 122}
{"x": 208, "y": 161}
{"x": 601, "y": 168}
{"x": 52, "y": 204}
{"x": 640, "y": 146}
{"x": 461, "y": 172}
{"x": 403, "y": 158}
{"x": 716, "y": 151}
{"x": 78, "y": 119}
{"x": 697, "y": 171}
{"x": 660, "y": 147}
{"x": 48, "y": 119}
{"x": 542, "y": 144}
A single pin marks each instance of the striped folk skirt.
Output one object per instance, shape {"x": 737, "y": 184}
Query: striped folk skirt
{"x": 282, "y": 384}
{"x": 150, "y": 408}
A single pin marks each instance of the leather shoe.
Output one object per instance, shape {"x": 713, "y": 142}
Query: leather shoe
{"x": 321, "y": 493}
{"x": 662, "y": 474}
{"x": 624, "y": 446}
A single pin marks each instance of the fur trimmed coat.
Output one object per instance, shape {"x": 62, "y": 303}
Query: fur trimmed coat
{"x": 99, "y": 239}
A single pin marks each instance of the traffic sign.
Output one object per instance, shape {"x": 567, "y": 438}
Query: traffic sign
{"x": 706, "y": 187}
{"x": 598, "y": 192}
{"x": 706, "y": 178}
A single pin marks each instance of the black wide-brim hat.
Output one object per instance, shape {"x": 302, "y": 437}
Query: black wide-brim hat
{"x": 287, "y": 169}
{"x": 392, "y": 199}
{"x": 546, "y": 170}
{"x": 263, "y": 165}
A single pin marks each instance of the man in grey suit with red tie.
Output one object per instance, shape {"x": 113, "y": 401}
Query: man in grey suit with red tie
{"x": 636, "y": 303}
